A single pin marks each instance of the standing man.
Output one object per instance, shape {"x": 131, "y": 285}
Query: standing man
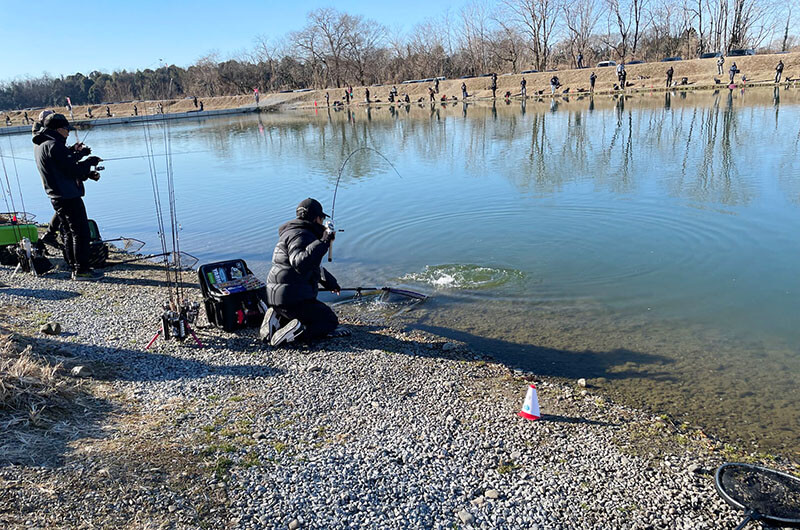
{"x": 670, "y": 73}
{"x": 62, "y": 177}
{"x": 494, "y": 85}
{"x": 436, "y": 85}
{"x": 621, "y": 74}
{"x": 327, "y": 99}
{"x": 554, "y": 84}
{"x": 732, "y": 71}
{"x": 255, "y": 95}
{"x": 431, "y": 94}
{"x": 464, "y": 94}
{"x": 346, "y": 97}
{"x": 77, "y": 151}
{"x": 523, "y": 85}
{"x": 592, "y": 79}
{"x": 778, "y": 71}
{"x": 580, "y": 60}
{"x": 366, "y": 91}
{"x": 294, "y": 279}
{"x": 720, "y": 64}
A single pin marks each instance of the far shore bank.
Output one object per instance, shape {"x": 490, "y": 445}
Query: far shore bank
{"x": 645, "y": 78}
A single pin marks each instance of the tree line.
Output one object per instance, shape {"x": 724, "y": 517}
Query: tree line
{"x": 334, "y": 48}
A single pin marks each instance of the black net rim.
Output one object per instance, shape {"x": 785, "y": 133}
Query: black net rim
{"x": 780, "y": 521}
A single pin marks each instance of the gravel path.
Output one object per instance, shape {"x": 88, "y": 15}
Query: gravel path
{"x": 389, "y": 428}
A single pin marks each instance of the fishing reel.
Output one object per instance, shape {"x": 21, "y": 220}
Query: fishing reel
{"x": 31, "y": 257}
{"x": 95, "y": 173}
{"x": 175, "y": 321}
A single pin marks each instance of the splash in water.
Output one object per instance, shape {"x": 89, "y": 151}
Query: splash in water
{"x": 463, "y": 276}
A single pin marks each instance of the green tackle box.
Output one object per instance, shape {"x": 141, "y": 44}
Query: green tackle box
{"x": 11, "y": 234}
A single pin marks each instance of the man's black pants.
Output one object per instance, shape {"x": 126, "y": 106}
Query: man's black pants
{"x": 55, "y": 225}
{"x": 75, "y": 230}
{"x": 318, "y": 319}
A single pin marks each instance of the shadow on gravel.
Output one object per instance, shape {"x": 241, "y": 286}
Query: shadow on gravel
{"x": 555, "y": 362}
{"x": 142, "y": 282}
{"x": 44, "y": 294}
{"x": 122, "y": 364}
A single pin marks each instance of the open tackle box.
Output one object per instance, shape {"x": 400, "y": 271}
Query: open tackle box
{"x": 233, "y": 296}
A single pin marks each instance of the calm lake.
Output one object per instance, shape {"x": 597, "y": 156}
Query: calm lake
{"x": 650, "y": 244}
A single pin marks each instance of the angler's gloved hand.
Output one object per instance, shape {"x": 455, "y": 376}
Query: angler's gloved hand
{"x": 93, "y": 160}
{"x": 328, "y": 236}
{"x": 94, "y": 175}
{"x": 82, "y": 150}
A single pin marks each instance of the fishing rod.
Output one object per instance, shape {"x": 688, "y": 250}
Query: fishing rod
{"x": 29, "y": 258}
{"x": 360, "y": 291}
{"x": 8, "y": 195}
{"x": 177, "y": 313}
{"x": 330, "y": 224}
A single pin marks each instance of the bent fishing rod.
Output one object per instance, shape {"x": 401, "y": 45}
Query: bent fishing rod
{"x": 331, "y": 224}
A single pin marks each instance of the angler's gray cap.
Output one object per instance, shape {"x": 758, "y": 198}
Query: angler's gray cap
{"x": 310, "y": 209}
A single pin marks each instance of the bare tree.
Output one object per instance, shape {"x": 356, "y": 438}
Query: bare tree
{"x": 786, "y": 32}
{"x": 508, "y": 45}
{"x": 325, "y": 40}
{"x": 628, "y": 15}
{"x": 475, "y": 35}
{"x": 538, "y": 18}
{"x": 750, "y": 22}
{"x": 364, "y": 41}
{"x": 580, "y": 18}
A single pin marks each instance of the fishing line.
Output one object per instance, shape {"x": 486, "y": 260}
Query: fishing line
{"x": 336, "y": 188}
{"x": 341, "y": 170}
{"x": 114, "y": 158}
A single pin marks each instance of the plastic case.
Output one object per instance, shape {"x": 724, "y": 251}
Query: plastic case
{"x": 231, "y": 295}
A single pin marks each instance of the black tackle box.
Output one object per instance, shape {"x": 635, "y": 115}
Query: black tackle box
{"x": 233, "y": 296}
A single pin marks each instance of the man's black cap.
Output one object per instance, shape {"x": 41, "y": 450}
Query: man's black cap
{"x": 57, "y": 121}
{"x": 309, "y": 210}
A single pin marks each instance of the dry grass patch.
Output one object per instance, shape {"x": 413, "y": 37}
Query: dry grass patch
{"x": 35, "y": 401}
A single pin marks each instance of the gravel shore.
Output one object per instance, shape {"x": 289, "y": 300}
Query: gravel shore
{"x": 388, "y": 428}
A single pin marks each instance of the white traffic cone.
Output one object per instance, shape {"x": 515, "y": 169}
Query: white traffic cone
{"x": 530, "y": 407}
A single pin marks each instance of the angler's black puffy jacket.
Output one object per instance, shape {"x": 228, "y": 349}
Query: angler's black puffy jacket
{"x": 62, "y": 174}
{"x": 296, "y": 273}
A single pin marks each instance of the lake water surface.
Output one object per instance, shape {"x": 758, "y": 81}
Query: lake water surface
{"x": 650, "y": 244}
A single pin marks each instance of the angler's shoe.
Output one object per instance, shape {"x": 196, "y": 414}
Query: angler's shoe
{"x": 287, "y": 333}
{"x": 87, "y": 276}
{"x": 269, "y": 326}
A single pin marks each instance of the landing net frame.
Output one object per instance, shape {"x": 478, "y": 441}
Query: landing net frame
{"x": 765, "y": 495}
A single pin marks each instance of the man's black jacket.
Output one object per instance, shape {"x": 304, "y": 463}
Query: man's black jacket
{"x": 62, "y": 174}
{"x": 296, "y": 273}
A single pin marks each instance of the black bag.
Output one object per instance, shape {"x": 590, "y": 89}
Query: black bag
{"x": 98, "y": 250}
{"x": 233, "y": 296}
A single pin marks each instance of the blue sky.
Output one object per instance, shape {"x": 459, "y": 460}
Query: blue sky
{"x": 66, "y": 37}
